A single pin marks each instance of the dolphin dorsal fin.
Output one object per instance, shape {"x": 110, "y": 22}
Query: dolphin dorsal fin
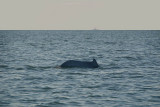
{"x": 94, "y": 60}
{"x": 95, "y": 63}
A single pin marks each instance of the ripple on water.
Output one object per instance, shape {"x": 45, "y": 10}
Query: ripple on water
{"x": 20, "y": 68}
{"x": 31, "y": 67}
{"x": 44, "y": 89}
{"x": 4, "y": 103}
{"x": 154, "y": 99}
{"x": 52, "y": 104}
{"x": 3, "y": 66}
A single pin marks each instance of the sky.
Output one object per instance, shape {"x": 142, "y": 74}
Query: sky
{"x": 79, "y": 14}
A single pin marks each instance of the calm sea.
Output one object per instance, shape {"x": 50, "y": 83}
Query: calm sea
{"x": 128, "y": 76}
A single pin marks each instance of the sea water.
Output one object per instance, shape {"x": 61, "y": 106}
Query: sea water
{"x": 128, "y": 76}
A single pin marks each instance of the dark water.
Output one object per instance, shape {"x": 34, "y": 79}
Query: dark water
{"x": 129, "y": 75}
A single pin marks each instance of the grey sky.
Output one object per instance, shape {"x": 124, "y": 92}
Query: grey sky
{"x": 79, "y": 14}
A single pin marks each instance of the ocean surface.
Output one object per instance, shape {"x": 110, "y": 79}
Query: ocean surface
{"x": 128, "y": 76}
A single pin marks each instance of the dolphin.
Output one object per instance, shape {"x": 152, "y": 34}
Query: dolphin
{"x": 80, "y": 64}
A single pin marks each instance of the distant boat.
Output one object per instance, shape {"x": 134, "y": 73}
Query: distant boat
{"x": 95, "y": 29}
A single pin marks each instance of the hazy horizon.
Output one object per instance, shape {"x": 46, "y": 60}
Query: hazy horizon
{"x": 79, "y": 14}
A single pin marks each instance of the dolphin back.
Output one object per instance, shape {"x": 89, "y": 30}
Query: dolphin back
{"x": 81, "y": 64}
